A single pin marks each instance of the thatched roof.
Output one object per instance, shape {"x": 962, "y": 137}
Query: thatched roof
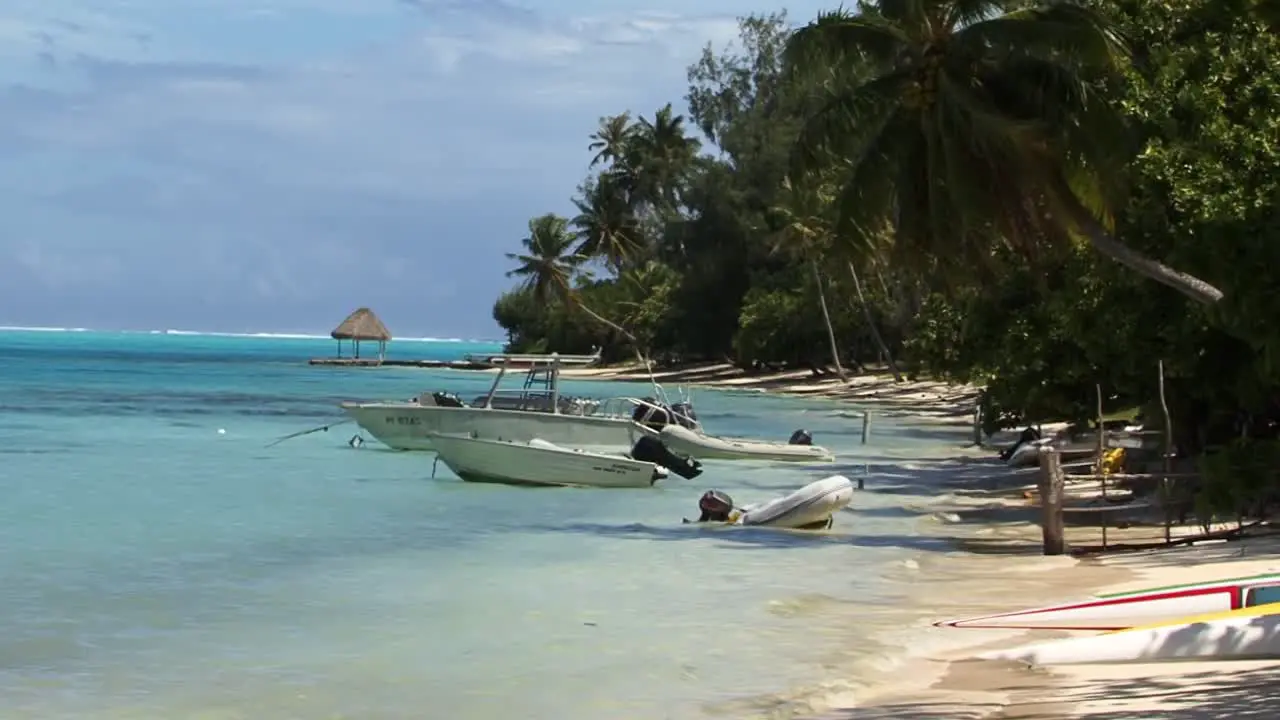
{"x": 362, "y": 325}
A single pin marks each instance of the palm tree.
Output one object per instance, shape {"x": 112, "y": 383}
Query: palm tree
{"x": 612, "y": 140}
{"x": 809, "y": 231}
{"x": 975, "y": 123}
{"x": 805, "y": 234}
{"x": 660, "y": 154}
{"x": 606, "y": 223}
{"x": 548, "y": 265}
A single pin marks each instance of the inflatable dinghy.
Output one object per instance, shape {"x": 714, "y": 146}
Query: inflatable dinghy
{"x": 707, "y": 447}
{"x": 809, "y": 508}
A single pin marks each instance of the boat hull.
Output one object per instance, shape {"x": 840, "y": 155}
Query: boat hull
{"x": 810, "y": 506}
{"x": 409, "y": 426}
{"x": 1251, "y": 633}
{"x": 707, "y": 447}
{"x": 543, "y": 464}
{"x": 1120, "y": 611}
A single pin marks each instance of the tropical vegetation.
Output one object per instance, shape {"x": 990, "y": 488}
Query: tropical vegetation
{"x": 1039, "y": 198}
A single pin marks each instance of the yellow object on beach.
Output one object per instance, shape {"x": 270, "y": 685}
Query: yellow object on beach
{"x": 1112, "y": 461}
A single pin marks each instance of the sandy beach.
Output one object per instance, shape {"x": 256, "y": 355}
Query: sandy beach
{"x": 929, "y": 400}
{"x": 996, "y": 565}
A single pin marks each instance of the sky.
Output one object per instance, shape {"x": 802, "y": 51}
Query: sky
{"x": 270, "y": 165}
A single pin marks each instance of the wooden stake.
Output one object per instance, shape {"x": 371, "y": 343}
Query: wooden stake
{"x": 1051, "y": 486}
{"x": 1102, "y": 476}
{"x": 1168, "y": 450}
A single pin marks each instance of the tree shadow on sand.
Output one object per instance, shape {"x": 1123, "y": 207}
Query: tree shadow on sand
{"x": 1241, "y": 695}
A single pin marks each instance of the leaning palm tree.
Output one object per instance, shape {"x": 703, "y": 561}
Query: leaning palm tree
{"x": 975, "y": 122}
{"x": 809, "y": 232}
{"x": 547, "y": 268}
{"x": 804, "y": 235}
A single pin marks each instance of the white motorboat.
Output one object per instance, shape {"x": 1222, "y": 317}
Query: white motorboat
{"x": 811, "y": 507}
{"x": 1251, "y": 633}
{"x": 536, "y": 409}
{"x": 538, "y": 462}
{"x": 695, "y": 443}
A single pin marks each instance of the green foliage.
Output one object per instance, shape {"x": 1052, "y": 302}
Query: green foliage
{"x": 985, "y": 238}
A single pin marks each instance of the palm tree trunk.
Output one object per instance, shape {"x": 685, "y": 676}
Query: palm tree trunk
{"x": 635, "y": 344}
{"x": 1101, "y": 240}
{"x": 826, "y": 317}
{"x": 871, "y": 323}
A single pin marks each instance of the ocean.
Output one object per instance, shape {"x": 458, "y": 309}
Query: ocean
{"x": 159, "y": 561}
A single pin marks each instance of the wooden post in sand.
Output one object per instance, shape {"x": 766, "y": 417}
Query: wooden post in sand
{"x": 866, "y": 425}
{"x": 1051, "y": 485}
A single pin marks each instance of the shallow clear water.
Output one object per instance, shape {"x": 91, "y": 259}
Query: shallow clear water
{"x": 155, "y": 568}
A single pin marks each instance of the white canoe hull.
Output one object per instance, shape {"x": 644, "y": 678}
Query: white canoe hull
{"x": 540, "y": 463}
{"x": 707, "y": 447}
{"x": 1126, "y": 610}
{"x": 812, "y": 505}
{"x": 1246, "y": 634}
{"x": 409, "y": 426}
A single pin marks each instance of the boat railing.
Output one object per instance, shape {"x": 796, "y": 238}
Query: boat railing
{"x": 626, "y": 406}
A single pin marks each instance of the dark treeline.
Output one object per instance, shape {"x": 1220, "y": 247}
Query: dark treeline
{"x": 1037, "y": 198}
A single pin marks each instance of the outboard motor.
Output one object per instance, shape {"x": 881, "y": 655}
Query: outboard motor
{"x": 1028, "y": 435}
{"x": 444, "y": 399}
{"x": 684, "y": 415}
{"x": 651, "y": 449}
{"x": 800, "y": 437}
{"x": 715, "y": 506}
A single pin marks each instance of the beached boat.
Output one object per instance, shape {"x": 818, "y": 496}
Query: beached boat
{"x": 535, "y": 409}
{"x": 811, "y": 507}
{"x": 1119, "y": 611}
{"x": 695, "y": 443}
{"x": 538, "y": 462}
{"x": 1251, "y": 633}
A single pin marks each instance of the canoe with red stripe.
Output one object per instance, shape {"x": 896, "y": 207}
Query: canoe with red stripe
{"x": 1119, "y": 611}
{"x": 1251, "y": 633}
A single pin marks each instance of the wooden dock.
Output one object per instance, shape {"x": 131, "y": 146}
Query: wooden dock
{"x": 429, "y": 364}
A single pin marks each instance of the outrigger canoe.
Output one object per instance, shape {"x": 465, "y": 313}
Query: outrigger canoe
{"x": 1251, "y": 633}
{"x": 1120, "y": 611}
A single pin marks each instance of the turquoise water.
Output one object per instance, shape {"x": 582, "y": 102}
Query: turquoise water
{"x": 159, "y": 562}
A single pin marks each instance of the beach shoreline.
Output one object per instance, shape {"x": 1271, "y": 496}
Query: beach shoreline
{"x": 997, "y": 567}
{"x": 932, "y": 401}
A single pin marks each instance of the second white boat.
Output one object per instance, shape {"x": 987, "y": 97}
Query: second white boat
{"x": 538, "y": 462}
{"x": 708, "y": 447}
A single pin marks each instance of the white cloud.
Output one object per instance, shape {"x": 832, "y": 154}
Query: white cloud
{"x": 251, "y": 162}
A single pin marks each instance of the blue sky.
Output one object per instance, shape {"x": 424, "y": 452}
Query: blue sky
{"x": 268, "y": 165}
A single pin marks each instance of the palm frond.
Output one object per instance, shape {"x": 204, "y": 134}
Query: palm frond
{"x": 839, "y": 36}
{"x": 867, "y": 200}
{"x": 842, "y": 126}
{"x": 1059, "y": 31}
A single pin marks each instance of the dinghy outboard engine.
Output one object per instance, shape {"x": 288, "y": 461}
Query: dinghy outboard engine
{"x": 684, "y": 415}
{"x": 651, "y": 449}
{"x": 715, "y": 506}
{"x": 800, "y": 437}
{"x": 1028, "y": 435}
{"x": 444, "y": 399}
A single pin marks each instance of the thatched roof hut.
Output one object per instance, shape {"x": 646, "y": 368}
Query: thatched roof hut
{"x": 362, "y": 325}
